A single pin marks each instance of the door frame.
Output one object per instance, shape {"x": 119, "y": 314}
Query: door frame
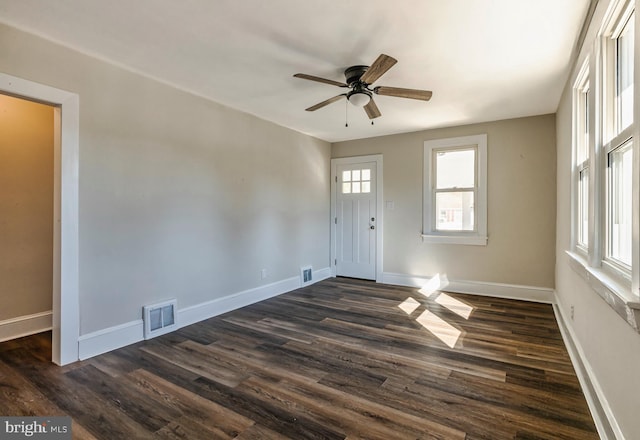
{"x": 66, "y": 117}
{"x": 377, "y": 158}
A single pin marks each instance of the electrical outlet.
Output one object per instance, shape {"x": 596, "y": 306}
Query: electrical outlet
{"x": 263, "y": 274}
{"x": 572, "y": 312}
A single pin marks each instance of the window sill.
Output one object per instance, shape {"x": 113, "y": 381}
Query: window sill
{"x": 617, "y": 295}
{"x": 474, "y": 240}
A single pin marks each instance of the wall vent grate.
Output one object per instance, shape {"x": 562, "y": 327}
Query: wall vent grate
{"x": 306, "y": 275}
{"x": 159, "y": 318}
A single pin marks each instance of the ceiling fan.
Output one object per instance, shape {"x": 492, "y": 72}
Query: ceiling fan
{"x": 358, "y": 79}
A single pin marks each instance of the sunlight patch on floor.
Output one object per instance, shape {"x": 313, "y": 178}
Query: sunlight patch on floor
{"x": 409, "y": 305}
{"x": 436, "y": 283}
{"x": 456, "y": 306}
{"x": 440, "y": 328}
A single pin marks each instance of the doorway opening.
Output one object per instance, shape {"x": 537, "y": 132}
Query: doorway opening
{"x": 26, "y": 223}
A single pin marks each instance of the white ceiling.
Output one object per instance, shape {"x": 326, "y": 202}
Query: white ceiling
{"x": 483, "y": 59}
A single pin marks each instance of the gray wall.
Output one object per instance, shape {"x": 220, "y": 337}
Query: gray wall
{"x": 179, "y": 196}
{"x": 521, "y": 204}
{"x": 26, "y": 207}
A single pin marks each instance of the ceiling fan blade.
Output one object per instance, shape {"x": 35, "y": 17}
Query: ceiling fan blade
{"x": 372, "y": 109}
{"x": 318, "y": 79}
{"x": 423, "y": 95}
{"x": 326, "y": 102}
{"x": 378, "y": 68}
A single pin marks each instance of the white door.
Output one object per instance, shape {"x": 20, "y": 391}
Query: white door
{"x": 356, "y": 220}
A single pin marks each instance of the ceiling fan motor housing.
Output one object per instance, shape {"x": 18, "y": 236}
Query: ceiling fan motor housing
{"x": 354, "y": 73}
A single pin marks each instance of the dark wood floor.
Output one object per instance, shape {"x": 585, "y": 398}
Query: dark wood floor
{"x": 338, "y": 359}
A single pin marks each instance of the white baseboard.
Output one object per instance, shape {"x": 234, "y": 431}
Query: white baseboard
{"x": 498, "y": 290}
{"x": 321, "y": 274}
{"x": 25, "y": 325}
{"x": 200, "y": 312}
{"x": 218, "y": 306}
{"x": 603, "y": 416}
{"x": 112, "y": 338}
{"x": 102, "y": 341}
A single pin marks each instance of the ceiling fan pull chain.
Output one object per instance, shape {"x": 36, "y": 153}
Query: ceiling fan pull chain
{"x": 346, "y": 113}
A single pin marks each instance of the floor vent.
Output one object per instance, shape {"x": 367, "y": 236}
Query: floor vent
{"x": 306, "y": 275}
{"x": 159, "y": 318}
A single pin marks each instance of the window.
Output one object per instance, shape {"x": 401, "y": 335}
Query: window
{"x": 581, "y": 138}
{"x": 455, "y": 190}
{"x": 605, "y": 186}
{"x": 455, "y": 177}
{"x": 616, "y": 182}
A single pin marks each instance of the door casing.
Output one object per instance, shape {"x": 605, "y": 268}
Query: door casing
{"x": 66, "y": 308}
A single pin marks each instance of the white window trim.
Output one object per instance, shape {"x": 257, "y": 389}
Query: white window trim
{"x": 581, "y": 84}
{"x": 477, "y": 237}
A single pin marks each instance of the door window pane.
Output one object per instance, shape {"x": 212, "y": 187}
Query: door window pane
{"x": 356, "y": 181}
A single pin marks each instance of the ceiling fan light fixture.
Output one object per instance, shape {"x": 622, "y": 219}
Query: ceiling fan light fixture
{"x": 359, "y": 98}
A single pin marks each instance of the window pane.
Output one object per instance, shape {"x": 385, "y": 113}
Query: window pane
{"x": 583, "y": 121}
{"x": 454, "y": 211}
{"x": 346, "y": 176}
{"x": 356, "y": 187}
{"x": 583, "y": 208}
{"x": 624, "y": 80}
{"x": 366, "y": 187}
{"x": 585, "y": 130}
{"x": 455, "y": 169}
{"x": 355, "y": 174}
{"x": 366, "y": 174}
{"x": 346, "y": 187}
{"x": 620, "y": 200}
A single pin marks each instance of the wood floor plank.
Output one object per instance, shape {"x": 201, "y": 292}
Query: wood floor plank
{"x": 267, "y": 412}
{"x": 189, "y": 405}
{"x": 151, "y": 415}
{"x": 259, "y": 432}
{"x": 339, "y": 359}
{"x": 76, "y": 400}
